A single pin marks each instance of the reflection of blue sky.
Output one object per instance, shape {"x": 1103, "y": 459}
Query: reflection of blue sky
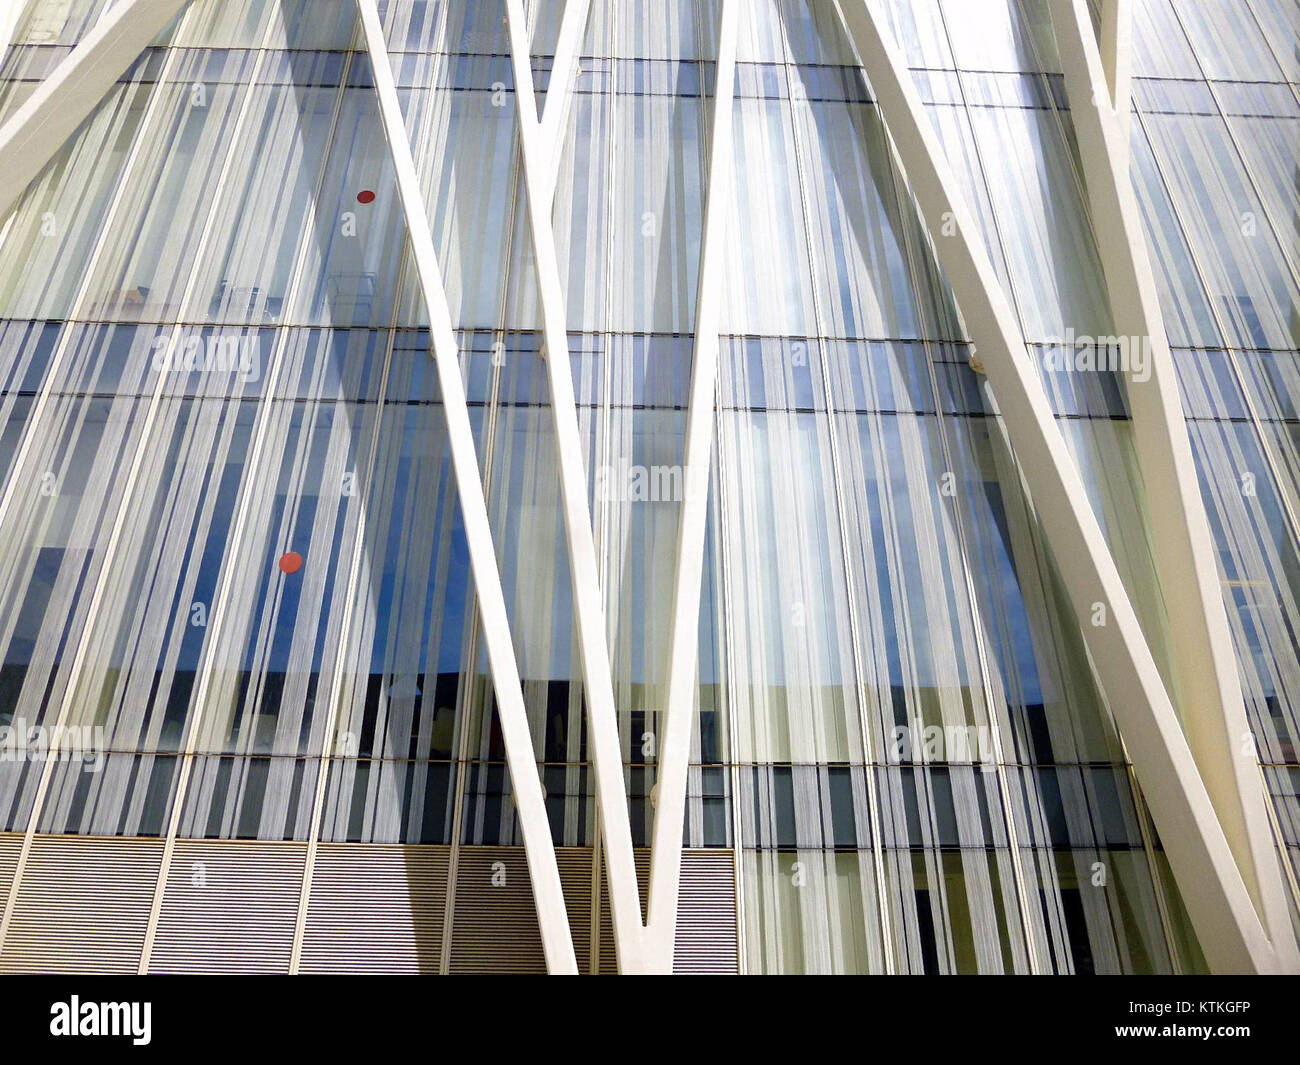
{"x": 1016, "y": 649}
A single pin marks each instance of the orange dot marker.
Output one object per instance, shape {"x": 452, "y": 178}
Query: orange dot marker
{"x": 290, "y": 562}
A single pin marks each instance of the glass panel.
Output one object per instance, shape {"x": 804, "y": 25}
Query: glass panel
{"x": 389, "y": 802}
{"x": 250, "y": 798}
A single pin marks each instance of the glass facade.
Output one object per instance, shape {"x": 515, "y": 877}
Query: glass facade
{"x": 232, "y": 554}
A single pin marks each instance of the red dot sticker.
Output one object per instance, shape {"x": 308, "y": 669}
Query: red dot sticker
{"x": 365, "y": 196}
{"x": 290, "y": 562}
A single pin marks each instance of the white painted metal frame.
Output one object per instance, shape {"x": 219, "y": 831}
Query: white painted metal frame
{"x": 539, "y": 164}
{"x": 60, "y": 103}
{"x": 684, "y": 634}
{"x": 642, "y": 947}
{"x": 530, "y": 803}
{"x": 564, "y": 72}
{"x": 1231, "y": 934}
{"x": 1209, "y": 689}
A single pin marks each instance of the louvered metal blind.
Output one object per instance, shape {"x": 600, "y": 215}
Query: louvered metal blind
{"x": 494, "y": 928}
{"x": 230, "y": 907}
{"x": 83, "y": 904}
{"x": 706, "y": 914}
{"x": 376, "y": 908}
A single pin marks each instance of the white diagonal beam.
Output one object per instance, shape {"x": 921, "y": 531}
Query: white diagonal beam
{"x": 1221, "y": 909}
{"x": 564, "y": 70}
{"x": 1213, "y": 710}
{"x": 530, "y": 805}
{"x": 31, "y": 136}
{"x": 684, "y": 633}
{"x": 589, "y": 612}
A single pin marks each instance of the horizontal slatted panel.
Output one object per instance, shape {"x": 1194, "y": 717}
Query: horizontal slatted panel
{"x": 575, "y": 879}
{"x": 376, "y": 908}
{"x": 608, "y": 952}
{"x": 83, "y": 905}
{"x": 706, "y": 914}
{"x": 11, "y": 845}
{"x": 230, "y": 907}
{"x": 494, "y": 928}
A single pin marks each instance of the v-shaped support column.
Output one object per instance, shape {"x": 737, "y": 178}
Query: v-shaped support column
{"x": 684, "y": 634}
{"x": 1215, "y": 894}
{"x": 1208, "y": 685}
{"x": 641, "y": 947}
{"x": 588, "y": 609}
{"x": 530, "y": 804}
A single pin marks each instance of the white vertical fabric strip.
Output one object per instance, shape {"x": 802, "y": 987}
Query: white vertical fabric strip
{"x": 675, "y": 741}
{"x": 49, "y": 116}
{"x": 337, "y": 687}
{"x": 1210, "y": 690}
{"x": 9, "y": 16}
{"x": 224, "y": 598}
{"x": 135, "y": 479}
{"x": 557, "y": 942}
{"x": 228, "y": 593}
{"x": 1231, "y": 934}
{"x": 589, "y": 612}
{"x": 31, "y": 445}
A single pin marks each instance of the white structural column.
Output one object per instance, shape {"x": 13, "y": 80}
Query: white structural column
{"x": 589, "y": 613}
{"x": 60, "y": 103}
{"x": 1229, "y": 929}
{"x": 557, "y": 941}
{"x": 684, "y": 633}
{"x": 1209, "y": 689}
